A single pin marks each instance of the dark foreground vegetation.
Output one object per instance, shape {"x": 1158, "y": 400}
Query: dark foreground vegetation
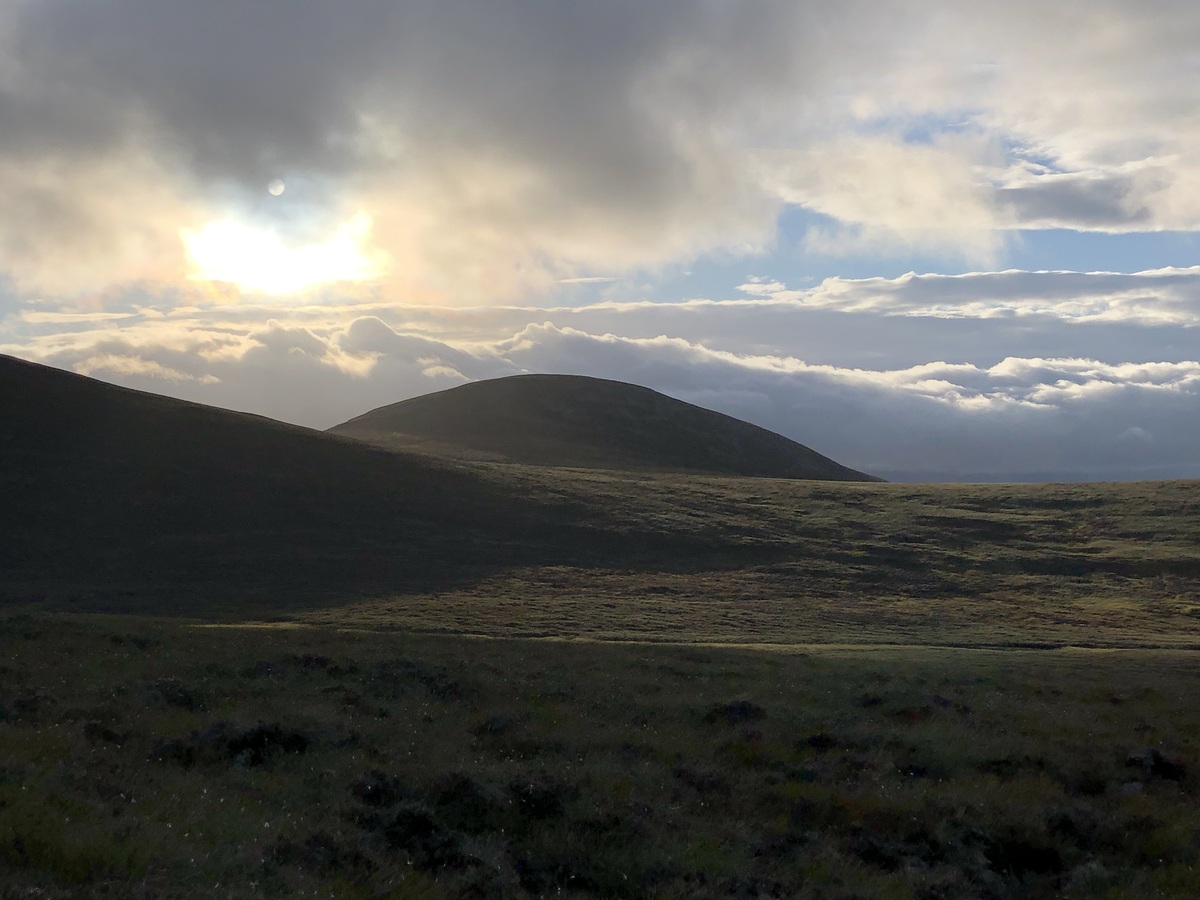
{"x": 164, "y": 759}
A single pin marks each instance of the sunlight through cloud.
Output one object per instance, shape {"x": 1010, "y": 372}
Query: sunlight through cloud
{"x": 259, "y": 260}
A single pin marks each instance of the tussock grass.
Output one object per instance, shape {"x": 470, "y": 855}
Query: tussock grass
{"x": 317, "y": 761}
{"x": 761, "y": 561}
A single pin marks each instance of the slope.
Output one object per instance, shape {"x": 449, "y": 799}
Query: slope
{"x": 571, "y": 420}
{"x": 142, "y": 501}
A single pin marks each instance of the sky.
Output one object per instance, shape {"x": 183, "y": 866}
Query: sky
{"x": 932, "y": 241}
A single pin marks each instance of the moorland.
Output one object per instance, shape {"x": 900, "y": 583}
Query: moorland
{"x": 243, "y": 659}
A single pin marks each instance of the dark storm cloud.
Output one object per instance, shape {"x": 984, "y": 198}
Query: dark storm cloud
{"x": 235, "y": 89}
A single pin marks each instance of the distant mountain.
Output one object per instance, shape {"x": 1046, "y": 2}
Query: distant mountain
{"x": 136, "y": 496}
{"x": 572, "y": 420}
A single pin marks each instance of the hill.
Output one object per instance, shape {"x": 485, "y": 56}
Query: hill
{"x": 856, "y": 730}
{"x": 133, "y": 495}
{"x": 577, "y": 421}
{"x": 117, "y": 500}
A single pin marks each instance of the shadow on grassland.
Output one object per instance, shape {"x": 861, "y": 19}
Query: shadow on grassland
{"x": 117, "y": 500}
{"x": 122, "y": 501}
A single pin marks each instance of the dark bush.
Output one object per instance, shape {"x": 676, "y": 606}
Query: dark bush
{"x": 494, "y": 726}
{"x": 23, "y": 709}
{"x": 734, "y": 713}
{"x": 321, "y": 855}
{"x": 223, "y": 742}
{"x": 172, "y": 693}
{"x": 1019, "y": 857}
{"x": 604, "y": 856}
{"x": 465, "y": 804}
{"x": 702, "y": 782}
{"x": 376, "y": 789}
{"x": 256, "y": 745}
{"x": 310, "y": 661}
{"x": 411, "y": 827}
{"x": 1153, "y": 764}
{"x": 821, "y": 742}
{"x": 98, "y": 732}
{"x": 541, "y": 796}
{"x": 389, "y": 679}
{"x": 891, "y": 853}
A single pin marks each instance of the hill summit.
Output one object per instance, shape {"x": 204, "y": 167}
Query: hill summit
{"x": 578, "y": 421}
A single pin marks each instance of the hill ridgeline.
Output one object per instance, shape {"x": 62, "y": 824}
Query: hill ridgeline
{"x": 577, "y": 421}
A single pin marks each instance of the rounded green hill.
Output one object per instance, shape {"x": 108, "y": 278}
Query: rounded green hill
{"x": 577, "y": 421}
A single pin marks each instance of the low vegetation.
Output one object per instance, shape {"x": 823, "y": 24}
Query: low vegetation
{"x": 365, "y": 673}
{"x": 167, "y": 759}
{"x": 766, "y": 561}
{"x": 117, "y": 501}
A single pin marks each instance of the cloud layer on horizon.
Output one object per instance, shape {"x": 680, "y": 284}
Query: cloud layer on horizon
{"x": 983, "y": 397}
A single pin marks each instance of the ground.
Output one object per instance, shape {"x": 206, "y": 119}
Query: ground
{"x": 166, "y": 758}
{"x": 597, "y": 684}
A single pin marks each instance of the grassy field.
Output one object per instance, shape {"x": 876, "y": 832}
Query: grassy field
{"x": 765, "y": 561}
{"x": 243, "y": 659}
{"x": 144, "y": 758}
{"x": 117, "y": 501}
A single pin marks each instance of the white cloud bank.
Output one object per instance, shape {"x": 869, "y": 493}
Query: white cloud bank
{"x": 1162, "y": 296}
{"x": 1015, "y": 415}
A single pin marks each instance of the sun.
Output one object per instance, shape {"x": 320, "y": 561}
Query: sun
{"x": 259, "y": 260}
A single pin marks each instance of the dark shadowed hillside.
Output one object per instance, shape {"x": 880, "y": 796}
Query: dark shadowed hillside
{"x": 113, "y": 490}
{"x": 117, "y": 500}
{"x": 571, "y": 420}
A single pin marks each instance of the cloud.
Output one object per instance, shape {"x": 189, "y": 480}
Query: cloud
{"x": 1160, "y": 296}
{"x": 503, "y": 150}
{"x": 1093, "y": 201}
{"x": 896, "y": 197}
{"x": 501, "y": 136}
{"x": 1017, "y": 417}
{"x": 502, "y": 147}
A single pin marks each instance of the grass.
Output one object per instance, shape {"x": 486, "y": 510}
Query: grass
{"x": 759, "y": 561}
{"x": 116, "y": 501}
{"x": 361, "y": 673}
{"x": 170, "y": 759}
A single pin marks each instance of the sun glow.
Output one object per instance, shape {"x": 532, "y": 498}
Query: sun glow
{"x": 259, "y": 260}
